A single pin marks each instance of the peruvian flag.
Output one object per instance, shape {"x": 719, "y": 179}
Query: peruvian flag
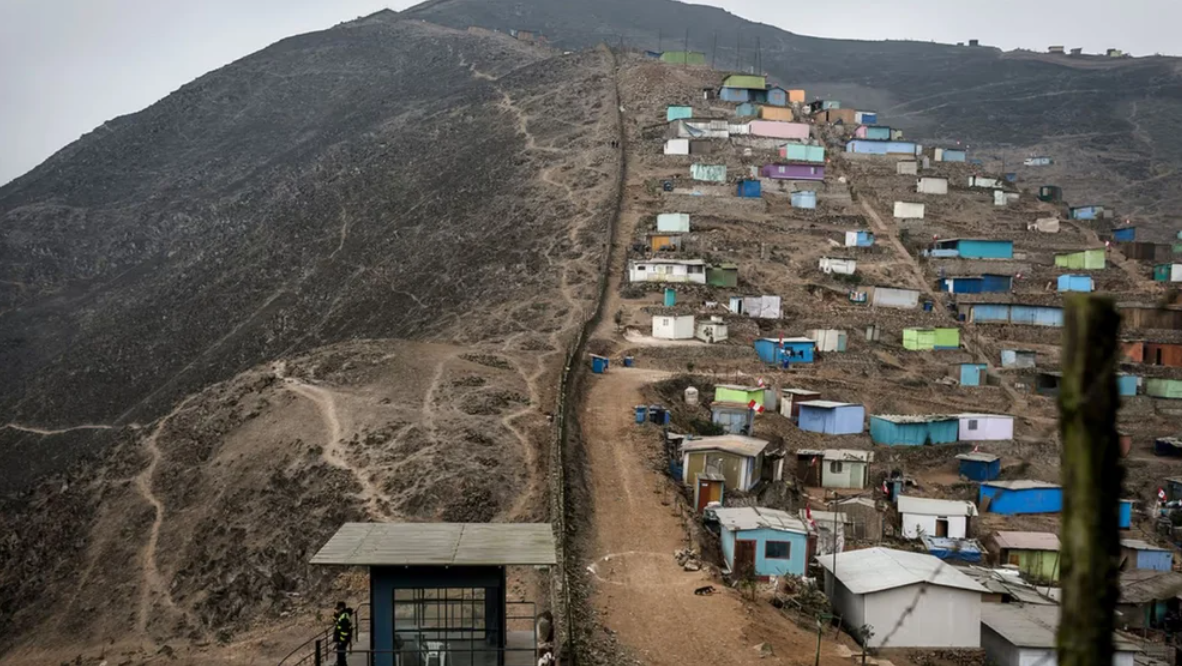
{"x": 758, "y": 408}
{"x": 976, "y": 448}
{"x": 808, "y": 514}
{"x": 762, "y": 384}
{"x": 1161, "y": 494}
{"x": 885, "y": 490}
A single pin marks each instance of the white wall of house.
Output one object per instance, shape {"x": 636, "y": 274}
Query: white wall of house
{"x": 643, "y": 271}
{"x": 915, "y": 524}
{"x": 827, "y": 339}
{"x": 1003, "y": 198}
{"x": 677, "y": 147}
{"x": 908, "y": 211}
{"x": 673, "y": 222}
{"x": 840, "y": 266}
{"x": 852, "y": 607}
{"x": 887, "y": 297}
{"x": 986, "y": 427}
{"x": 944, "y": 617}
{"x": 907, "y": 168}
{"x": 673, "y": 327}
{"x": 711, "y": 331}
{"x": 932, "y": 186}
{"x": 849, "y": 474}
{"x": 1001, "y": 652}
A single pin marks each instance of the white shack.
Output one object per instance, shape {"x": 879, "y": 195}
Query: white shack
{"x": 931, "y": 186}
{"x": 922, "y": 516}
{"x": 907, "y": 168}
{"x": 980, "y": 181}
{"x": 677, "y": 147}
{"x": 1024, "y": 635}
{"x": 673, "y": 327}
{"x": 712, "y": 330}
{"x": 986, "y": 427}
{"x": 877, "y": 586}
{"x": 1047, "y": 225}
{"x": 1003, "y": 198}
{"x": 828, "y": 339}
{"x": 673, "y": 222}
{"x": 839, "y": 265}
{"x": 895, "y": 297}
{"x": 908, "y": 211}
{"x": 667, "y": 270}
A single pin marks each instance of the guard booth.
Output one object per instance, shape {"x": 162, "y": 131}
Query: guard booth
{"x": 437, "y": 592}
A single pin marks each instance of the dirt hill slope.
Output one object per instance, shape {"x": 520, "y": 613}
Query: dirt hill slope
{"x": 333, "y": 281}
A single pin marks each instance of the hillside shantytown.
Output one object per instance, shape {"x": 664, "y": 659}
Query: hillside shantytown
{"x": 763, "y": 379}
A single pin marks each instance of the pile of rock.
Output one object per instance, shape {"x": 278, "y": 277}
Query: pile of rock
{"x": 688, "y": 559}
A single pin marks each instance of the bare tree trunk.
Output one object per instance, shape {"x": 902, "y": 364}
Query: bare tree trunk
{"x": 1091, "y": 476}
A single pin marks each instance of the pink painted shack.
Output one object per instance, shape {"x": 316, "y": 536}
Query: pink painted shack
{"x": 779, "y": 130}
{"x": 793, "y": 172}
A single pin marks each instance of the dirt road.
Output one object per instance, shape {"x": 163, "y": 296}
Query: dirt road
{"x": 641, "y": 592}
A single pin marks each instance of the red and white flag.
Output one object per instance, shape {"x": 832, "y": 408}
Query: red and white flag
{"x": 808, "y": 514}
{"x": 976, "y": 448}
{"x": 885, "y": 489}
{"x": 1161, "y": 494}
{"x": 762, "y": 384}
{"x": 755, "y": 406}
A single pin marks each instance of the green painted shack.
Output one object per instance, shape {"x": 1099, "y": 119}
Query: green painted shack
{"x": 929, "y": 339}
{"x": 1084, "y": 260}
{"x": 1036, "y": 554}
{"x": 742, "y": 395}
{"x": 1164, "y": 388}
{"x": 745, "y": 81}
{"x": 723, "y": 275}
{"x": 684, "y": 57}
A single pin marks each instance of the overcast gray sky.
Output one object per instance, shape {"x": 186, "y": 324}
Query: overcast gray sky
{"x": 67, "y": 66}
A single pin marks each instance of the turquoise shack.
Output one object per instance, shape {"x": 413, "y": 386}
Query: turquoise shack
{"x": 914, "y": 430}
{"x": 767, "y": 542}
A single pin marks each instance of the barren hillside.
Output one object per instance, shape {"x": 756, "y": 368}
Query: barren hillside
{"x": 334, "y": 280}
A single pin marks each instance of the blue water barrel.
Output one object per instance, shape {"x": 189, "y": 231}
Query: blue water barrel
{"x": 629, "y": 361}
{"x": 641, "y": 413}
{"x": 670, "y": 297}
{"x": 599, "y": 364}
{"x": 927, "y": 306}
{"x": 668, "y": 417}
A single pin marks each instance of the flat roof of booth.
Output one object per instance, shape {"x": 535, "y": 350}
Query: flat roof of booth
{"x": 440, "y": 544}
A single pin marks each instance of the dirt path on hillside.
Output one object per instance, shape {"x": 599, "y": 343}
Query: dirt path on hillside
{"x": 641, "y": 593}
{"x": 61, "y": 431}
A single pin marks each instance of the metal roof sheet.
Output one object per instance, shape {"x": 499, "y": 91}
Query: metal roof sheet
{"x": 979, "y": 456}
{"x": 795, "y": 391}
{"x": 828, "y": 404}
{"x": 1027, "y": 540}
{"x": 754, "y": 518}
{"x": 444, "y": 544}
{"x": 849, "y": 454}
{"x": 1032, "y": 626}
{"x": 969, "y": 415}
{"x": 737, "y": 444}
{"x": 1138, "y": 544}
{"x": 1021, "y": 485}
{"x": 1008, "y": 582}
{"x": 1138, "y": 586}
{"x": 877, "y": 569}
{"x": 808, "y": 340}
{"x": 739, "y": 387}
{"x": 925, "y": 506}
{"x": 916, "y": 418}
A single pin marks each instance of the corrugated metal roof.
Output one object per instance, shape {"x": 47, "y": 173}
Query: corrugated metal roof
{"x": 1008, "y": 582}
{"x": 1021, "y": 485}
{"x": 826, "y": 518}
{"x": 916, "y": 418}
{"x": 849, "y": 454}
{"x": 827, "y": 404}
{"x": 1032, "y": 626}
{"x": 979, "y": 456}
{"x": 1138, "y": 586}
{"x": 1138, "y": 544}
{"x": 1027, "y": 540}
{"x": 794, "y": 391}
{"x": 876, "y": 569}
{"x": 808, "y": 340}
{"x": 925, "y": 506}
{"x": 738, "y": 387}
{"x": 754, "y": 518}
{"x": 447, "y": 544}
{"x": 985, "y": 416}
{"x": 737, "y": 444}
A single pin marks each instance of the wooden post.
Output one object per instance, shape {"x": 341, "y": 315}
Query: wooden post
{"x": 1091, "y": 476}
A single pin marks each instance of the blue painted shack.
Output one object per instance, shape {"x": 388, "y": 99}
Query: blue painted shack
{"x": 1123, "y": 234}
{"x": 768, "y": 542}
{"x": 1075, "y": 283}
{"x": 1127, "y": 385}
{"x": 806, "y": 200}
{"x": 1005, "y": 313}
{"x": 877, "y": 133}
{"x": 978, "y": 249}
{"x": 1137, "y": 554}
{"x": 774, "y": 351}
{"x": 951, "y": 155}
{"x": 1125, "y": 517}
{"x": 1020, "y": 497}
{"x": 977, "y": 284}
{"x": 980, "y": 467}
{"x": 678, "y": 113}
{"x": 866, "y": 117}
{"x": 750, "y": 189}
{"x": 450, "y": 573}
{"x": 914, "y": 430}
{"x": 777, "y": 96}
{"x": 747, "y": 109}
{"x": 832, "y": 418}
{"x": 734, "y": 95}
{"x": 867, "y": 147}
{"x": 859, "y": 239}
{"x": 1086, "y": 212}
{"x": 972, "y": 374}
{"x": 953, "y": 550}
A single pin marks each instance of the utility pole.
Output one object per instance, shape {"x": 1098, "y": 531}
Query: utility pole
{"x": 687, "y": 47}
{"x": 738, "y": 50}
{"x": 660, "y": 41}
{"x": 758, "y": 57}
{"x": 714, "y": 50}
{"x": 1092, "y": 475}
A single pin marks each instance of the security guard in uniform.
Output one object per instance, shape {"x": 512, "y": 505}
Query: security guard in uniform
{"x": 342, "y": 632}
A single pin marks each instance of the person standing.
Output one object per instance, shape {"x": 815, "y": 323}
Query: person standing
{"x": 342, "y": 632}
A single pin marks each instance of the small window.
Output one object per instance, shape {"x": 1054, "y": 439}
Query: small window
{"x": 664, "y": 322}
{"x": 835, "y": 467}
{"x": 972, "y": 424}
{"x": 777, "y": 550}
